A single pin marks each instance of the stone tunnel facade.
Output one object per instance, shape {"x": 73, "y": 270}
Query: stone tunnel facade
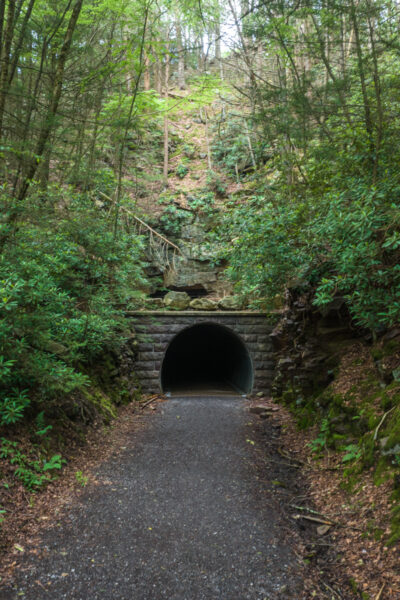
{"x": 156, "y": 329}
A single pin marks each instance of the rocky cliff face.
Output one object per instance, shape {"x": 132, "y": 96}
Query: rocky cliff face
{"x": 308, "y": 344}
{"x": 194, "y": 270}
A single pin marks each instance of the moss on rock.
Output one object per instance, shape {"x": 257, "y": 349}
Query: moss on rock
{"x": 102, "y": 403}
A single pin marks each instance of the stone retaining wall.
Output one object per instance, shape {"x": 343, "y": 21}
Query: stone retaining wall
{"x": 156, "y": 329}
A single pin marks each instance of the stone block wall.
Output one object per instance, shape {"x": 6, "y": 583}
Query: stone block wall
{"x": 156, "y": 329}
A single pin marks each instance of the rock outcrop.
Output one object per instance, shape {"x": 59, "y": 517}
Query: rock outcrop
{"x": 230, "y": 303}
{"x": 308, "y": 343}
{"x": 177, "y": 300}
{"x": 203, "y": 304}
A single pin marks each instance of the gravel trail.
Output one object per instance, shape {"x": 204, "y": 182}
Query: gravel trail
{"x": 184, "y": 512}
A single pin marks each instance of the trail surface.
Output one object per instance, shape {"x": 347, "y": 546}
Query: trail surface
{"x": 185, "y": 512}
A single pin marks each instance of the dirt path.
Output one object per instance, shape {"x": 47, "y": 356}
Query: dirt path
{"x": 190, "y": 510}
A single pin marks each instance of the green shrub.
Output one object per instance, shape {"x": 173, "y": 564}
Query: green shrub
{"x": 172, "y": 219}
{"x": 215, "y": 183}
{"x": 182, "y": 171}
{"x": 12, "y": 407}
{"x": 33, "y": 469}
{"x": 340, "y": 242}
{"x": 64, "y": 275}
{"x": 203, "y": 204}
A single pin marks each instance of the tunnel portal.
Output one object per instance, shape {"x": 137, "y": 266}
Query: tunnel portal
{"x": 207, "y": 357}
{"x": 172, "y": 347}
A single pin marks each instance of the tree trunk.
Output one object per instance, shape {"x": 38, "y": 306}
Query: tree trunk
{"x": 207, "y": 140}
{"x": 200, "y": 53}
{"x": 2, "y": 12}
{"x": 21, "y": 38}
{"x": 253, "y": 158}
{"x": 360, "y": 62}
{"x": 92, "y": 145}
{"x": 44, "y": 169}
{"x": 5, "y": 59}
{"x": 332, "y": 75}
{"x": 166, "y": 140}
{"x": 30, "y": 111}
{"x": 158, "y": 75}
{"x": 55, "y": 99}
{"x": 379, "y": 104}
{"x": 181, "y": 55}
{"x": 121, "y": 152}
{"x": 146, "y": 73}
{"x": 218, "y": 55}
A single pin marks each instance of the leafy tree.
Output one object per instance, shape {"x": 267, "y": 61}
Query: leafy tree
{"x": 320, "y": 91}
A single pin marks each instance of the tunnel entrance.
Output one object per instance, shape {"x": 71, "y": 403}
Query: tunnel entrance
{"x": 207, "y": 357}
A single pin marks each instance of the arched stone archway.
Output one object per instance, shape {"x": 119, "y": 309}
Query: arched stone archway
{"x": 156, "y": 330}
{"x": 207, "y": 357}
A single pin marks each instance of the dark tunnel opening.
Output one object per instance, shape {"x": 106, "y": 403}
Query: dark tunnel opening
{"x": 207, "y": 357}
